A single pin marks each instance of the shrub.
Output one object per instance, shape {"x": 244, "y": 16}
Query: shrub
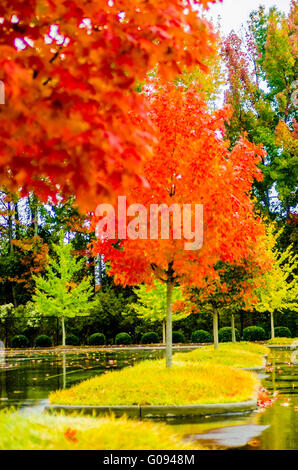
{"x": 72, "y": 340}
{"x": 225, "y": 334}
{"x": 178, "y": 337}
{"x": 123, "y": 338}
{"x": 149, "y": 338}
{"x": 201, "y": 336}
{"x": 254, "y": 333}
{"x": 97, "y": 339}
{"x": 282, "y": 332}
{"x": 43, "y": 341}
{"x": 19, "y": 341}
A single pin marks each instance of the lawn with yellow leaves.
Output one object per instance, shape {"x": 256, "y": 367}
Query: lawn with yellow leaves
{"x": 151, "y": 383}
{"x": 46, "y": 432}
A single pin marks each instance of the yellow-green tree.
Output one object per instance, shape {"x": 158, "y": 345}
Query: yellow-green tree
{"x": 262, "y": 89}
{"x": 152, "y": 304}
{"x": 59, "y": 293}
{"x": 278, "y": 286}
{"x": 212, "y": 83}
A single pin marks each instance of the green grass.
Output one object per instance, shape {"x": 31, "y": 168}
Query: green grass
{"x": 151, "y": 383}
{"x": 46, "y": 432}
{"x": 245, "y": 346}
{"x": 240, "y": 354}
{"x": 229, "y": 357}
{"x": 281, "y": 340}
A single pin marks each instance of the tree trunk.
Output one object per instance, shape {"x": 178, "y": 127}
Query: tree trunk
{"x": 10, "y": 210}
{"x": 97, "y": 273}
{"x": 33, "y": 204}
{"x": 215, "y": 329}
{"x": 272, "y": 324}
{"x": 14, "y": 295}
{"x": 6, "y": 333}
{"x": 169, "y": 339}
{"x": 164, "y": 332}
{"x": 233, "y": 328}
{"x": 10, "y": 226}
{"x": 3, "y": 391}
{"x": 99, "y": 258}
{"x": 17, "y": 220}
{"x": 241, "y": 323}
{"x": 64, "y": 371}
{"x": 63, "y": 331}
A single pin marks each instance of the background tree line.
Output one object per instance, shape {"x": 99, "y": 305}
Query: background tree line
{"x": 258, "y": 68}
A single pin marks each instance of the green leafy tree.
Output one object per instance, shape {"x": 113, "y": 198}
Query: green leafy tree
{"x": 59, "y": 292}
{"x": 152, "y": 304}
{"x": 278, "y": 287}
{"x": 108, "y": 314}
{"x": 262, "y": 72}
{"x": 28, "y": 228}
{"x": 231, "y": 291}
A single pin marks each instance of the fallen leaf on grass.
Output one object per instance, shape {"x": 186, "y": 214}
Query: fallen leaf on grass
{"x": 254, "y": 443}
{"x": 70, "y": 434}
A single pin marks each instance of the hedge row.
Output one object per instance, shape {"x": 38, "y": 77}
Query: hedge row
{"x": 251, "y": 333}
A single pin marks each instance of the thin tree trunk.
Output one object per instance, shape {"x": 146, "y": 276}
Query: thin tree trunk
{"x": 99, "y": 268}
{"x": 233, "y": 328}
{"x": 63, "y": 331}
{"x": 215, "y": 329}
{"x": 241, "y": 323}
{"x": 33, "y": 204}
{"x": 17, "y": 237}
{"x": 164, "y": 332}
{"x": 10, "y": 226}
{"x": 97, "y": 273}
{"x": 14, "y": 295}
{"x": 6, "y": 333}
{"x": 272, "y": 325}
{"x": 17, "y": 220}
{"x": 10, "y": 210}
{"x": 64, "y": 370}
{"x": 169, "y": 339}
{"x": 3, "y": 391}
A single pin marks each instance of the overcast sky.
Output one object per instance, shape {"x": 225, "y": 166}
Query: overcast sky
{"x": 235, "y": 12}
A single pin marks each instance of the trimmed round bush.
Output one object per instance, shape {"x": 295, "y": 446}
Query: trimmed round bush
{"x": 123, "y": 338}
{"x": 254, "y": 333}
{"x": 282, "y": 332}
{"x": 72, "y": 340}
{"x": 201, "y": 336}
{"x": 97, "y": 339}
{"x": 19, "y": 341}
{"x": 43, "y": 341}
{"x": 149, "y": 338}
{"x": 178, "y": 337}
{"x": 225, "y": 334}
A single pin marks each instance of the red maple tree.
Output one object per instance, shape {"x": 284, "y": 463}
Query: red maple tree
{"x": 70, "y": 70}
{"x": 190, "y": 164}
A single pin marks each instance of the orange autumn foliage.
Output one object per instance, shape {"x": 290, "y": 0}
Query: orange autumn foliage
{"x": 70, "y": 70}
{"x": 32, "y": 253}
{"x": 191, "y": 164}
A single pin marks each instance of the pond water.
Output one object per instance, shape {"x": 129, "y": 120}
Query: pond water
{"x": 273, "y": 427}
{"x": 26, "y": 379}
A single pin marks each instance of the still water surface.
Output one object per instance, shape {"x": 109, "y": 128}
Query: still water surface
{"x": 26, "y": 379}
